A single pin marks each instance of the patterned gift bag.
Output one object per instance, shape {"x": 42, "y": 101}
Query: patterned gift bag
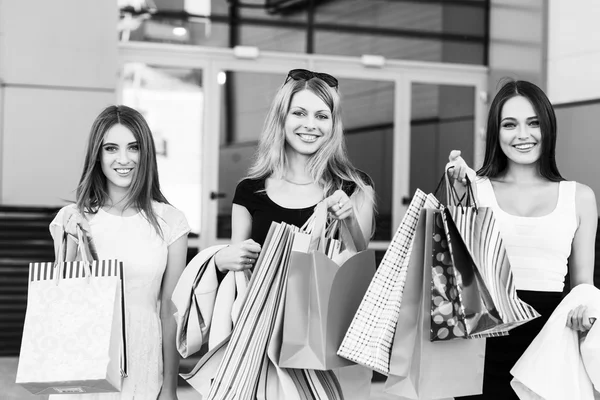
{"x": 368, "y": 340}
{"x": 73, "y": 336}
{"x": 461, "y": 304}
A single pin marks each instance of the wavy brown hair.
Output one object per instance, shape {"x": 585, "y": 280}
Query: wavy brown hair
{"x": 92, "y": 193}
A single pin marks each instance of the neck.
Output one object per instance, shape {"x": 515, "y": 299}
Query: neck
{"x": 296, "y": 170}
{"x": 519, "y": 173}
{"x": 116, "y": 197}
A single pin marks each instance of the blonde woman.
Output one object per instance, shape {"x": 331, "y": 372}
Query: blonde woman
{"x": 301, "y": 161}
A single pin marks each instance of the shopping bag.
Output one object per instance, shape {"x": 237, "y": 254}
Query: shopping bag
{"x": 368, "y": 340}
{"x": 322, "y": 297}
{"x": 405, "y": 331}
{"x": 590, "y": 354}
{"x": 554, "y": 365}
{"x": 419, "y": 368}
{"x": 461, "y": 304}
{"x": 481, "y": 235}
{"x": 245, "y": 361}
{"x": 74, "y": 331}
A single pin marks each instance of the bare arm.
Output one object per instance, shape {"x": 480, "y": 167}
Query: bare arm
{"x": 243, "y": 251}
{"x": 581, "y": 261}
{"x": 241, "y": 223}
{"x": 175, "y": 264}
{"x": 583, "y": 248}
{"x": 362, "y": 218}
{"x": 356, "y": 211}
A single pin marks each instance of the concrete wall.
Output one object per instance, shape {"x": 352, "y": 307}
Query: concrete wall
{"x": 574, "y": 87}
{"x": 58, "y": 70}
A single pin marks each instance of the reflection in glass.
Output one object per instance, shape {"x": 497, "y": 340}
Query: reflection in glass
{"x": 172, "y": 101}
{"x": 442, "y": 119}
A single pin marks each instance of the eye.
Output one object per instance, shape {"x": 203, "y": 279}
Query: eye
{"x": 322, "y": 116}
{"x": 509, "y": 125}
{"x": 110, "y": 149}
{"x": 298, "y": 113}
{"x": 134, "y": 147}
{"x": 534, "y": 123}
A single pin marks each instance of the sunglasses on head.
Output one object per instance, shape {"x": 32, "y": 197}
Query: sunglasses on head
{"x": 297, "y": 74}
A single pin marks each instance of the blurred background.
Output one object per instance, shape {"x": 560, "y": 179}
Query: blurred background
{"x": 416, "y": 77}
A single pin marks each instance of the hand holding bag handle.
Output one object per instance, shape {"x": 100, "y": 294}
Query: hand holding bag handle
{"x": 82, "y": 249}
{"x": 452, "y": 197}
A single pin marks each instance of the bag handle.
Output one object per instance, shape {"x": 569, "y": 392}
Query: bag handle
{"x": 82, "y": 248}
{"x": 452, "y": 197}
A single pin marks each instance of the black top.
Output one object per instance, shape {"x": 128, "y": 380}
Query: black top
{"x": 251, "y": 194}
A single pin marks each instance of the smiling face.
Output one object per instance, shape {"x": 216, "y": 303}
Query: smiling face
{"x": 308, "y": 123}
{"x": 520, "y": 134}
{"x": 119, "y": 157}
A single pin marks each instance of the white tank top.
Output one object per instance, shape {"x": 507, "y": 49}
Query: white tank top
{"x": 537, "y": 247}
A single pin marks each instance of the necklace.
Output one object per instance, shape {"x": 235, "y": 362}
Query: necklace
{"x": 296, "y": 183}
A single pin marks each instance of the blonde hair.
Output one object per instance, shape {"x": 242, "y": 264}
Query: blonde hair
{"x": 329, "y": 166}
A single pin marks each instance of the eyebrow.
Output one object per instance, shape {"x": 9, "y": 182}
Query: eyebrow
{"x": 514, "y": 119}
{"x": 304, "y": 109}
{"x": 114, "y": 144}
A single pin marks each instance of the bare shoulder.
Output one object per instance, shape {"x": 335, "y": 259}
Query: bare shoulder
{"x": 584, "y": 194}
{"x": 585, "y": 201}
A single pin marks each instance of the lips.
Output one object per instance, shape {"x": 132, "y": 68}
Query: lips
{"x": 123, "y": 171}
{"x": 524, "y": 147}
{"x": 308, "y": 137}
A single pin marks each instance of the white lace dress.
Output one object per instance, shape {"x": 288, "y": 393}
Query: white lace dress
{"x": 143, "y": 252}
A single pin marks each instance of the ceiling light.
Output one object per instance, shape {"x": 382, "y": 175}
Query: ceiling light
{"x": 179, "y": 31}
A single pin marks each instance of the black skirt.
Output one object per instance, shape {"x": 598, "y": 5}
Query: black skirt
{"x": 502, "y": 353}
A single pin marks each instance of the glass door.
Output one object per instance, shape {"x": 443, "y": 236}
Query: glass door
{"x": 207, "y": 106}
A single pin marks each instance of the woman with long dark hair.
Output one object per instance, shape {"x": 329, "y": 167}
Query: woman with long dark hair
{"x": 126, "y": 217}
{"x": 545, "y": 221}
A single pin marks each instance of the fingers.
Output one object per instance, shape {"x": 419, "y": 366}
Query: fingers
{"x": 457, "y": 170}
{"x": 342, "y": 209}
{"x": 576, "y": 320}
{"x": 72, "y": 220}
{"x": 251, "y": 246}
{"x": 454, "y": 154}
{"x": 335, "y": 198}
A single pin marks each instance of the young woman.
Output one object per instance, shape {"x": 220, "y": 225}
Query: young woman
{"x": 126, "y": 217}
{"x": 301, "y": 161}
{"x": 545, "y": 220}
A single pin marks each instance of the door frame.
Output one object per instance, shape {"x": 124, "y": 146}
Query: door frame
{"x": 402, "y": 73}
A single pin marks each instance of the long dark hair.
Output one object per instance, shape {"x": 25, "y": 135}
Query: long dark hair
{"x": 495, "y": 160}
{"x": 92, "y": 189}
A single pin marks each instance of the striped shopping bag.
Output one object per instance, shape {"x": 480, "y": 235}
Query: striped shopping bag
{"x": 246, "y": 364}
{"x": 481, "y": 235}
{"x": 369, "y": 339}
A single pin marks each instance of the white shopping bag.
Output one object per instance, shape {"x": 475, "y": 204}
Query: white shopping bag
{"x": 73, "y": 337}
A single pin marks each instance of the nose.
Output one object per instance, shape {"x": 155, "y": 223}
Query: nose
{"x": 309, "y": 123}
{"x": 123, "y": 157}
{"x": 523, "y": 132}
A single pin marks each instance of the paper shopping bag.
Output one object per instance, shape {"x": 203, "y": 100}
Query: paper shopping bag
{"x": 73, "y": 336}
{"x": 481, "y": 235}
{"x": 461, "y": 304}
{"x": 368, "y": 340}
{"x": 432, "y": 370}
{"x": 321, "y": 300}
